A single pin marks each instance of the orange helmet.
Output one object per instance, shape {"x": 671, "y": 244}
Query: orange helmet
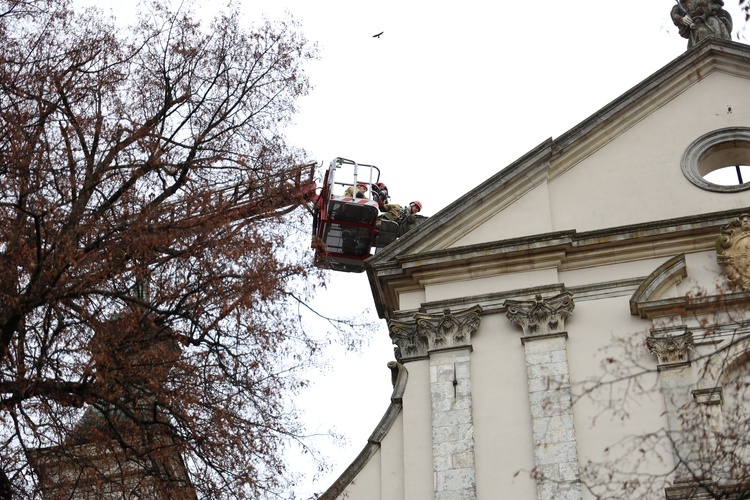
{"x": 417, "y": 204}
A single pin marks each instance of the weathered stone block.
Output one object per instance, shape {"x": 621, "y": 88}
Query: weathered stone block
{"x": 442, "y": 462}
{"x": 548, "y": 472}
{"x": 449, "y": 448}
{"x": 552, "y": 407}
{"x": 557, "y": 356}
{"x": 559, "y": 491}
{"x": 551, "y": 423}
{"x": 468, "y": 494}
{"x": 463, "y": 460}
{"x": 443, "y": 402}
{"x": 455, "y": 480}
{"x": 444, "y": 373}
{"x": 551, "y": 382}
{"x": 558, "y": 395}
{"x": 555, "y": 436}
{"x": 453, "y": 417}
{"x": 452, "y": 433}
{"x": 547, "y": 369}
{"x": 543, "y": 345}
{"x": 569, "y": 472}
{"x": 549, "y": 453}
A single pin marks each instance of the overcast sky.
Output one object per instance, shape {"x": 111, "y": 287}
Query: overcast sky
{"x": 450, "y": 94}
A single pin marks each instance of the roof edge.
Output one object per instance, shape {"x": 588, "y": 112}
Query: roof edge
{"x": 533, "y": 157}
{"x": 686, "y": 60}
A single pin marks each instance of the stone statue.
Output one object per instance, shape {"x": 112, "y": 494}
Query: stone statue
{"x": 700, "y": 19}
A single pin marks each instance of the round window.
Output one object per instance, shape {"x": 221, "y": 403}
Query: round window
{"x": 729, "y": 176}
{"x": 720, "y": 160}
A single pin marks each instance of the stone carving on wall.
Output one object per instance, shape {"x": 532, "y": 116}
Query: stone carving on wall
{"x": 427, "y": 332}
{"x": 670, "y": 349}
{"x": 733, "y": 252}
{"x": 409, "y": 343}
{"x": 541, "y": 316}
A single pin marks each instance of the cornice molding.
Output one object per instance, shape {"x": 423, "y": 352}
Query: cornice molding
{"x": 563, "y": 251}
{"x": 701, "y": 304}
{"x": 709, "y": 396}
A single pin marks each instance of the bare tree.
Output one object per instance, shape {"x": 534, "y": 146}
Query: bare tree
{"x": 147, "y": 202}
{"x": 699, "y": 447}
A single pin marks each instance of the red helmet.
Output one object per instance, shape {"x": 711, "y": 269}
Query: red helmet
{"x": 382, "y": 186}
{"x": 417, "y": 204}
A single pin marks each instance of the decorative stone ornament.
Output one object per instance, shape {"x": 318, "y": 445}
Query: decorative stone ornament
{"x": 733, "y": 252}
{"x": 409, "y": 344}
{"x": 428, "y": 332}
{"x": 670, "y": 350}
{"x": 541, "y": 316}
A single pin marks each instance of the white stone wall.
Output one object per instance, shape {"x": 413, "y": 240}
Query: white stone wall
{"x": 452, "y": 425}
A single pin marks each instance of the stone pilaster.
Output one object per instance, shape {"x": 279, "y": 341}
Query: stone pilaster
{"x": 671, "y": 346}
{"x": 548, "y": 375}
{"x": 445, "y": 339}
{"x": 452, "y": 425}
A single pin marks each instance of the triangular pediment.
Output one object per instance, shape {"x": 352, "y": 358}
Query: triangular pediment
{"x": 619, "y": 167}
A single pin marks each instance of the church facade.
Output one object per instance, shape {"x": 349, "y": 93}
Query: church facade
{"x": 576, "y": 326}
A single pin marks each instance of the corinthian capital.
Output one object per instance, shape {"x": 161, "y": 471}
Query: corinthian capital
{"x": 541, "y": 316}
{"x": 670, "y": 349}
{"x": 427, "y": 332}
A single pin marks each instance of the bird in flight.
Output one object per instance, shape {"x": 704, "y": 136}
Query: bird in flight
{"x": 378, "y": 35}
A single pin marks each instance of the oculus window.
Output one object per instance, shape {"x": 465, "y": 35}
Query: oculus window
{"x": 719, "y": 161}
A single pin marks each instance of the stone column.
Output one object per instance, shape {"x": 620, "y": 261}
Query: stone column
{"x": 554, "y": 439}
{"x": 445, "y": 339}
